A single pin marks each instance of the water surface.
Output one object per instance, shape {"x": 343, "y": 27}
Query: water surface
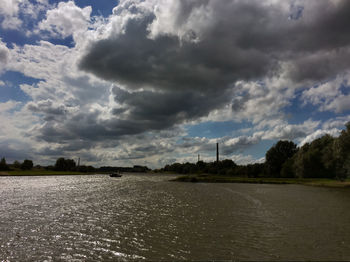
{"x": 146, "y": 217}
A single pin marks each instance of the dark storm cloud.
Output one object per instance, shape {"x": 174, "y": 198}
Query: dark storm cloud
{"x": 49, "y": 109}
{"x": 161, "y": 110}
{"x": 14, "y": 150}
{"x": 244, "y": 40}
{"x": 140, "y": 111}
{"x": 321, "y": 65}
{"x": 188, "y": 71}
{"x": 137, "y": 61}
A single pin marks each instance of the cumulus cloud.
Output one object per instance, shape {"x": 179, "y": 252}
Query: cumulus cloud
{"x": 15, "y": 150}
{"x": 198, "y": 49}
{"x": 337, "y": 122}
{"x": 319, "y": 133}
{"x": 13, "y": 11}
{"x": 65, "y": 20}
{"x": 9, "y": 10}
{"x": 152, "y": 66}
{"x": 4, "y": 55}
{"x": 9, "y": 105}
{"x": 237, "y": 144}
{"x": 249, "y": 45}
{"x": 330, "y": 96}
{"x": 287, "y": 131}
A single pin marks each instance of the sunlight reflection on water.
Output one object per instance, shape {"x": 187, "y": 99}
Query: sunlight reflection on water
{"x": 146, "y": 217}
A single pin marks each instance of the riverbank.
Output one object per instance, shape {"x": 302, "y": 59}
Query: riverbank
{"x": 227, "y": 179}
{"x": 40, "y": 172}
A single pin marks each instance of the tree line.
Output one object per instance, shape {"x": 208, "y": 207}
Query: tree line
{"x": 61, "y": 164}
{"x": 325, "y": 157}
{"x": 65, "y": 164}
{"x": 25, "y": 165}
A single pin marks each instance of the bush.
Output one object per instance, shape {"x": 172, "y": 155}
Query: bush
{"x": 3, "y": 165}
{"x": 27, "y": 164}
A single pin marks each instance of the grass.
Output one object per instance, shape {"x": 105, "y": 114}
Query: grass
{"x": 40, "y": 172}
{"x": 228, "y": 179}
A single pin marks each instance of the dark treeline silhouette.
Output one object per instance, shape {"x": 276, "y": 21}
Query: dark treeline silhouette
{"x": 325, "y": 157}
{"x": 225, "y": 167}
{"x": 69, "y": 165}
{"x": 111, "y": 169}
{"x": 26, "y": 165}
{"x": 3, "y": 165}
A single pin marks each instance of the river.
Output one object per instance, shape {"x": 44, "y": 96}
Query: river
{"x": 143, "y": 216}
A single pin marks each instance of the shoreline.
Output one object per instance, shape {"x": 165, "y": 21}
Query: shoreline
{"x": 43, "y": 173}
{"x": 322, "y": 182}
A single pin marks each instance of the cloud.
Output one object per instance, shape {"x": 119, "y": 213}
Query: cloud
{"x": 4, "y": 55}
{"x": 15, "y": 150}
{"x": 9, "y": 10}
{"x": 134, "y": 77}
{"x": 338, "y": 122}
{"x": 9, "y": 105}
{"x": 258, "y": 55}
{"x": 319, "y": 133}
{"x": 239, "y": 143}
{"x": 65, "y": 20}
{"x": 249, "y": 45}
{"x": 15, "y": 12}
{"x": 285, "y": 131}
{"x": 330, "y": 96}
{"x": 154, "y": 110}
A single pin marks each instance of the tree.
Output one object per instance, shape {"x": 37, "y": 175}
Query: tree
{"x": 16, "y": 164}
{"x": 3, "y": 165}
{"x": 27, "y": 164}
{"x": 288, "y": 169}
{"x": 341, "y": 149}
{"x": 65, "y": 164}
{"x": 277, "y": 155}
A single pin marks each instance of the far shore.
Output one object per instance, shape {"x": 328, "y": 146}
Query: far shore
{"x": 42, "y": 173}
{"x": 195, "y": 178}
{"x": 263, "y": 180}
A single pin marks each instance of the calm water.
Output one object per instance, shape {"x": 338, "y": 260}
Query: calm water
{"x": 146, "y": 217}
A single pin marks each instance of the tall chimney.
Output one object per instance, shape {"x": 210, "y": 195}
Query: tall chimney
{"x": 217, "y": 152}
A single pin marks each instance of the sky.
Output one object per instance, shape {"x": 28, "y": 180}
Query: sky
{"x": 154, "y": 82}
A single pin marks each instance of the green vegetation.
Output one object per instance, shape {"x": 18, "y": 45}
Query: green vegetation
{"x": 65, "y": 164}
{"x": 3, "y": 165}
{"x": 62, "y": 167}
{"x": 38, "y": 172}
{"x": 263, "y": 180}
{"x": 27, "y": 164}
{"x": 325, "y": 161}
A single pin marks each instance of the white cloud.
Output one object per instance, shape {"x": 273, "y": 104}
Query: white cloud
{"x": 240, "y": 143}
{"x": 11, "y": 10}
{"x": 65, "y": 20}
{"x": 73, "y": 112}
{"x": 246, "y": 159}
{"x": 4, "y": 55}
{"x": 338, "y": 122}
{"x": 319, "y": 133}
{"x": 285, "y": 131}
{"x": 6, "y": 106}
{"x": 330, "y": 96}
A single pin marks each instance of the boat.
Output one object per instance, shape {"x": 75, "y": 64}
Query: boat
{"x": 115, "y": 175}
